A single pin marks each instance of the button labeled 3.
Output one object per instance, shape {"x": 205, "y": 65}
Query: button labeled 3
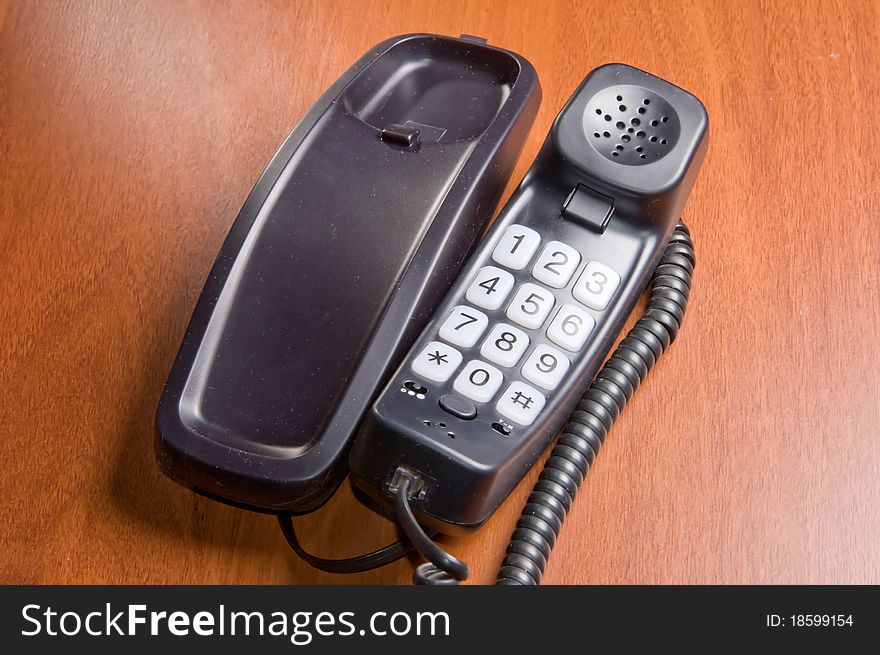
{"x": 596, "y": 285}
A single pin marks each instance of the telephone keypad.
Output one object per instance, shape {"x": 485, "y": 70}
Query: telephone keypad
{"x": 534, "y": 335}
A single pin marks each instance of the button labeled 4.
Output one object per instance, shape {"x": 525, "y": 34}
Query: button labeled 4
{"x": 490, "y": 287}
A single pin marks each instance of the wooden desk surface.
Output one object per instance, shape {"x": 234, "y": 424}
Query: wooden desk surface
{"x": 132, "y": 132}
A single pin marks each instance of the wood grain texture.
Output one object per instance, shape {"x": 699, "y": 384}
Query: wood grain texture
{"x": 132, "y": 132}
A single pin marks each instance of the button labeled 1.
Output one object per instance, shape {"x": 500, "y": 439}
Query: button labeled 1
{"x": 596, "y": 285}
{"x": 531, "y": 305}
{"x": 521, "y": 403}
{"x": 464, "y": 327}
{"x": 556, "y": 264}
{"x": 490, "y": 287}
{"x": 546, "y": 367}
{"x": 478, "y": 381}
{"x": 571, "y": 327}
{"x": 516, "y": 247}
{"x": 437, "y": 362}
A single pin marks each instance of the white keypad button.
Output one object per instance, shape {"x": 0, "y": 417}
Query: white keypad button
{"x": 556, "y": 264}
{"x": 505, "y": 345}
{"x": 464, "y": 327}
{"x": 571, "y": 327}
{"x": 531, "y": 305}
{"x": 520, "y": 403}
{"x": 596, "y": 285}
{"x": 546, "y": 367}
{"x": 516, "y": 247}
{"x": 478, "y": 381}
{"x": 490, "y": 287}
{"x": 437, "y": 362}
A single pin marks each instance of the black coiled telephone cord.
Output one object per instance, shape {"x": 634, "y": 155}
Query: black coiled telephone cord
{"x": 570, "y": 460}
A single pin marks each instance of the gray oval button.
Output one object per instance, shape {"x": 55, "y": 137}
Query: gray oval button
{"x": 458, "y": 406}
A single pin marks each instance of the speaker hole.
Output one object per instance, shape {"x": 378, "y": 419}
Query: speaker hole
{"x": 606, "y": 134}
{"x": 428, "y": 423}
{"x": 625, "y": 137}
{"x": 665, "y": 119}
{"x": 663, "y": 141}
{"x": 615, "y": 153}
{"x": 636, "y": 122}
{"x": 441, "y": 425}
{"x": 646, "y": 101}
{"x": 607, "y": 117}
{"x": 630, "y": 130}
{"x": 599, "y": 112}
{"x": 619, "y": 147}
{"x": 620, "y": 125}
{"x": 655, "y": 123}
{"x": 638, "y": 148}
{"x": 619, "y": 98}
{"x": 596, "y": 134}
{"x": 642, "y": 110}
{"x": 653, "y": 139}
{"x": 640, "y": 134}
{"x": 622, "y": 107}
{"x": 643, "y": 156}
{"x": 451, "y": 435}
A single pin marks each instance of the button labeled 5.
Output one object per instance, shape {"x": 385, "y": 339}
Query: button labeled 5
{"x": 464, "y": 327}
{"x": 596, "y": 285}
{"x": 531, "y": 305}
{"x": 556, "y": 264}
{"x": 490, "y": 287}
{"x": 516, "y": 247}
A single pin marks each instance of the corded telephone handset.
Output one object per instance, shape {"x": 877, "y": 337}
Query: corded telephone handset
{"x": 504, "y": 361}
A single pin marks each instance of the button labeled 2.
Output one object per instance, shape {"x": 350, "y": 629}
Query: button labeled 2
{"x": 516, "y": 247}
{"x": 556, "y": 264}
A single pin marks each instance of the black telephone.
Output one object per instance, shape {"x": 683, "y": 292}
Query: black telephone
{"x": 506, "y": 360}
